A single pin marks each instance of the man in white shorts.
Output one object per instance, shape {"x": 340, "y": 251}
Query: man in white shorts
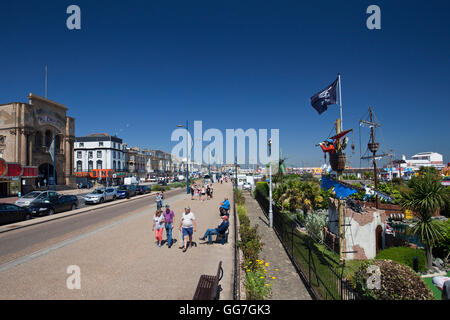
{"x": 188, "y": 226}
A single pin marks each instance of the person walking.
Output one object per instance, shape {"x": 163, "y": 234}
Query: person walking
{"x": 192, "y": 192}
{"x": 196, "y": 192}
{"x": 158, "y": 200}
{"x": 222, "y": 228}
{"x": 203, "y": 193}
{"x": 169, "y": 217}
{"x": 188, "y": 226}
{"x": 208, "y": 192}
{"x": 158, "y": 221}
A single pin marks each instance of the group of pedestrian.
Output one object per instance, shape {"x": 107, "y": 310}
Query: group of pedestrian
{"x": 203, "y": 193}
{"x": 165, "y": 220}
{"x": 188, "y": 225}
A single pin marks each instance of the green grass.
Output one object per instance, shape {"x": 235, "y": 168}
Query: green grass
{"x": 404, "y": 255}
{"x": 436, "y": 292}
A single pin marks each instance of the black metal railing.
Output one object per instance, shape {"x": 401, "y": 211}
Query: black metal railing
{"x": 318, "y": 267}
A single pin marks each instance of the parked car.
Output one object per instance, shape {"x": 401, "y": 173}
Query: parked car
{"x": 36, "y": 196}
{"x": 11, "y": 213}
{"x": 143, "y": 189}
{"x": 85, "y": 185}
{"x": 126, "y": 191}
{"x": 246, "y": 186}
{"x": 162, "y": 182}
{"x": 54, "y": 205}
{"x": 101, "y": 195}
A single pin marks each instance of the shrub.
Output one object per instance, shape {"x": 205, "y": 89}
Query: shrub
{"x": 405, "y": 256}
{"x": 358, "y": 195}
{"x": 314, "y": 223}
{"x": 157, "y": 187}
{"x": 177, "y": 184}
{"x": 398, "y": 282}
{"x": 239, "y": 197}
{"x": 442, "y": 248}
{"x": 256, "y": 284}
{"x": 250, "y": 242}
{"x": 257, "y": 288}
{"x": 263, "y": 188}
{"x": 242, "y": 214}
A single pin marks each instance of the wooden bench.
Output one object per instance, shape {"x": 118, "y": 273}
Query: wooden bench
{"x": 222, "y": 238}
{"x": 208, "y": 287}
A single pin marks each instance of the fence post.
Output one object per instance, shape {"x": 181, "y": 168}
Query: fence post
{"x": 292, "y": 241}
{"x": 341, "y": 280}
{"x": 309, "y": 261}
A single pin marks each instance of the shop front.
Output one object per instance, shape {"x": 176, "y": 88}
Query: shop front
{"x": 15, "y": 178}
{"x": 107, "y": 177}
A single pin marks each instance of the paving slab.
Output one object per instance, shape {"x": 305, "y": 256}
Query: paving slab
{"x": 287, "y": 285}
{"x": 122, "y": 261}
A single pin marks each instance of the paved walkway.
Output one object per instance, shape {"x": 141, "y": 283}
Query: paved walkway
{"x": 288, "y": 285}
{"x": 122, "y": 261}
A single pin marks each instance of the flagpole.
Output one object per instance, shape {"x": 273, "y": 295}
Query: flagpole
{"x": 340, "y": 100}
{"x": 45, "y": 81}
{"x": 54, "y": 155}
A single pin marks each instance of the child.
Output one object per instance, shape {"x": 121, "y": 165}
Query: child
{"x": 196, "y": 193}
{"x": 158, "y": 226}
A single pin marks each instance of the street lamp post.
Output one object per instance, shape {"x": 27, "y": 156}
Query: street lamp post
{"x": 187, "y": 156}
{"x": 270, "y": 186}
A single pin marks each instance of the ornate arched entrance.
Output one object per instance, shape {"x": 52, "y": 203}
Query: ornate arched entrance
{"x": 45, "y": 172}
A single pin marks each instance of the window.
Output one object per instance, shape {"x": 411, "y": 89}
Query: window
{"x": 91, "y": 154}
{"x": 38, "y": 139}
{"x": 48, "y": 138}
{"x": 114, "y": 165}
{"x": 99, "y": 164}
{"x": 81, "y": 144}
{"x": 57, "y": 143}
{"x": 90, "y": 165}
{"x": 79, "y": 166}
{"x": 99, "y": 154}
{"x": 79, "y": 155}
{"x": 100, "y": 144}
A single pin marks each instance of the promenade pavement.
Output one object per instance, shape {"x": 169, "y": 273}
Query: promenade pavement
{"x": 122, "y": 260}
{"x": 288, "y": 285}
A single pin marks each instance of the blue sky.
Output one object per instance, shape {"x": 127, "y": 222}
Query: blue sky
{"x": 139, "y": 68}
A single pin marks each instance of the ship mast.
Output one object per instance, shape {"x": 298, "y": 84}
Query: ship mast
{"x": 373, "y": 147}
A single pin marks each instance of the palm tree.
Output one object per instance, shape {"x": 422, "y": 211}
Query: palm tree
{"x": 426, "y": 195}
{"x": 299, "y": 195}
{"x": 281, "y": 167}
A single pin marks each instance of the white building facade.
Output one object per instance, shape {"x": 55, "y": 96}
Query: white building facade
{"x": 99, "y": 151}
{"x": 425, "y": 159}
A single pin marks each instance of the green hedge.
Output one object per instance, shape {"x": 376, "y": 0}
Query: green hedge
{"x": 262, "y": 187}
{"x": 239, "y": 197}
{"x": 158, "y": 187}
{"x": 177, "y": 184}
{"x": 404, "y": 255}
